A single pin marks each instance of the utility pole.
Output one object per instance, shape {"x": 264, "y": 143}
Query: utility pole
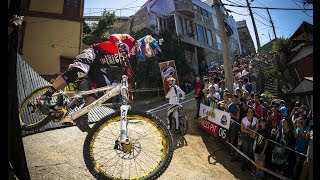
{"x": 274, "y": 30}
{"x": 225, "y": 45}
{"x": 269, "y": 35}
{"x": 254, "y": 26}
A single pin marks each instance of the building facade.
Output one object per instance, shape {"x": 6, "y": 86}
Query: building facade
{"x": 52, "y": 31}
{"x": 196, "y": 24}
{"x": 246, "y": 41}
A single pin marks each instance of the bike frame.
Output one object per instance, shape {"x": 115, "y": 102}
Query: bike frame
{"x": 111, "y": 91}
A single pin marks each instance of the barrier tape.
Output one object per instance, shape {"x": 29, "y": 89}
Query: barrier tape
{"x": 154, "y": 109}
{"x": 262, "y": 168}
{"x": 274, "y": 141}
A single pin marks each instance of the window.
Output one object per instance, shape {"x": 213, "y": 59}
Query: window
{"x": 215, "y": 22}
{"x": 73, "y": 3}
{"x": 71, "y": 8}
{"x": 201, "y": 35}
{"x": 196, "y": 9}
{"x": 204, "y": 15}
{"x": 181, "y": 25}
{"x": 219, "y": 41}
{"x": 209, "y": 37}
{"x": 189, "y": 28}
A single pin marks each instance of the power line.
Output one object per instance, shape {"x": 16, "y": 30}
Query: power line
{"x": 228, "y": 10}
{"x": 130, "y": 3}
{"x": 287, "y": 9}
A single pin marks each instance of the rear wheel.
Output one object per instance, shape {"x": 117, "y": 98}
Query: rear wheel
{"x": 147, "y": 156}
{"x": 30, "y": 118}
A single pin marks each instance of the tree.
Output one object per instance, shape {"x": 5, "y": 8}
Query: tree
{"x": 148, "y": 73}
{"x": 86, "y": 28}
{"x": 102, "y": 29}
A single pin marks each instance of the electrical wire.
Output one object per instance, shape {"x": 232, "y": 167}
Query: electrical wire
{"x": 274, "y": 8}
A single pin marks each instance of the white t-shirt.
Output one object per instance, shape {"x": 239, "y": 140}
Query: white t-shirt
{"x": 247, "y": 123}
{"x": 173, "y": 96}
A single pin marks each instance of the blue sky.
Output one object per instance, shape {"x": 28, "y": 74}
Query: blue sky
{"x": 286, "y": 22}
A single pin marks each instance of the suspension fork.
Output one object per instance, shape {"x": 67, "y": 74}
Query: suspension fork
{"x": 124, "y": 108}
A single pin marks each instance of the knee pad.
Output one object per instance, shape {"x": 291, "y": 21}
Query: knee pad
{"x": 72, "y": 74}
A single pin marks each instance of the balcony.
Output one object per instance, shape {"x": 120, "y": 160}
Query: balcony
{"x": 184, "y": 7}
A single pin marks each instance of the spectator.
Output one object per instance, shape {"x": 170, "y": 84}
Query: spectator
{"x": 248, "y": 124}
{"x": 283, "y": 109}
{"x": 253, "y": 77}
{"x": 300, "y": 132}
{"x": 236, "y": 85}
{"x": 223, "y": 105}
{"x": 215, "y": 77}
{"x": 307, "y": 169}
{"x": 280, "y": 154}
{"x": 247, "y": 97}
{"x": 261, "y": 138}
{"x": 276, "y": 115}
{"x": 257, "y": 106}
{"x": 234, "y": 111}
{"x": 212, "y": 98}
{"x": 246, "y": 85}
{"x": 264, "y": 109}
{"x": 222, "y": 87}
{"x": 205, "y": 86}
{"x": 198, "y": 95}
{"x": 239, "y": 94}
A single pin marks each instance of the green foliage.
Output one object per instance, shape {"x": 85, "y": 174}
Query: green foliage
{"x": 173, "y": 49}
{"x": 101, "y": 30}
{"x": 148, "y": 72}
{"x": 86, "y": 28}
{"x": 268, "y": 96}
{"x": 281, "y": 44}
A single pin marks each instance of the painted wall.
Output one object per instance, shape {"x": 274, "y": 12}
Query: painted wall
{"x": 51, "y": 6}
{"x": 45, "y": 40}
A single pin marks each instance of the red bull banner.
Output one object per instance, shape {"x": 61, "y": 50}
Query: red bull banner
{"x": 214, "y": 121}
{"x": 168, "y": 69}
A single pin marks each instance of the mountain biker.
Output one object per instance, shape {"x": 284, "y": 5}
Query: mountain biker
{"x": 174, "y": 94}
{"x": 91, "y": 61}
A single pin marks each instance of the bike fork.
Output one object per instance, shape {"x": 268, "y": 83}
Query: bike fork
{"x": 124, "y": 121}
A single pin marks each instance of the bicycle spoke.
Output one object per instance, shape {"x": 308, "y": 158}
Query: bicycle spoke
{"x": 144, "y": 157}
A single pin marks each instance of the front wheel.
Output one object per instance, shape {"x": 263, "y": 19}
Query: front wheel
{"x": 146, "y": 157}
{"x": 183, "y": 125}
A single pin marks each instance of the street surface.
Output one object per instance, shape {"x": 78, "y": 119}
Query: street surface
{"x": 57, "y": 154}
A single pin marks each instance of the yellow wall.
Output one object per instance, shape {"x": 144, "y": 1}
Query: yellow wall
{"x": 48, "y": 6}
{"x": 45, "y": 40}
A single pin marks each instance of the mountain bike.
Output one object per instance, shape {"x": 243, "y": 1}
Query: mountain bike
{"x": 123, "y": 145}
{"x": 183, "y": 122}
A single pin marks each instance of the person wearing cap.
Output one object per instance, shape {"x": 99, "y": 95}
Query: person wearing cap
{"x": 174, "y": 94}
{"x": 234, "y": 111}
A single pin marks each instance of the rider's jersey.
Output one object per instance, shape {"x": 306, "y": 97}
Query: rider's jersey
{"x": 173, "y": 94}
{"x": 106, "y": 54}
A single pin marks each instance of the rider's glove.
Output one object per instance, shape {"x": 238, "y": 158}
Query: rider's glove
{"x": 16, "y": 21}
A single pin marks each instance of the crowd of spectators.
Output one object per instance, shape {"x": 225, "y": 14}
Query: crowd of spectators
{"x": 272, "y": 134}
